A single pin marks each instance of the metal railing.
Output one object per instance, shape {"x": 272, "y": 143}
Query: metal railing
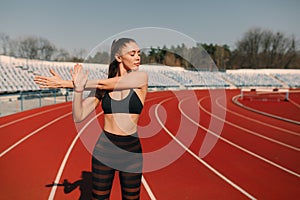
{"x": 21, "y": 101}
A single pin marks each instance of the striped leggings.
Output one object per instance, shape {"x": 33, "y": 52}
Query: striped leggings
{"x": 117, "y": 153}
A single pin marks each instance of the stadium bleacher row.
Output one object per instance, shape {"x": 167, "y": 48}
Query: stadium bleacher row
{"x": 252, "y": 80}
{"x": 17, "y": 75}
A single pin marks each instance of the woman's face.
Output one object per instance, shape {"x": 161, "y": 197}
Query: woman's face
{"x": 130, "y": 56}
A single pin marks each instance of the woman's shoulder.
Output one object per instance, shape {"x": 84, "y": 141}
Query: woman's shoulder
{"x": 141, "y": 74}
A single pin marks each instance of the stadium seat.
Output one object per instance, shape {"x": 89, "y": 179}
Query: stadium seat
{"x": 17, "y": 75}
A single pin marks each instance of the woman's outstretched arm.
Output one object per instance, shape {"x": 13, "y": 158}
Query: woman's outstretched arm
{"x": 54, "y": 81}
{"x": 132, "y": 80}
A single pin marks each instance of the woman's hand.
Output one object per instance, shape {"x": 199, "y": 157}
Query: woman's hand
{"x": 54, "y": 81}
{"x": 79, "y": 78}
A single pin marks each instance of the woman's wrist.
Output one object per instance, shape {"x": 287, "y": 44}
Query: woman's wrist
{"x": 67, "y": 84}
{"x": 78, "y": 90}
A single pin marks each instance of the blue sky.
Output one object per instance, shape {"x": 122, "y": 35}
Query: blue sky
{"x": 84, "y": 24}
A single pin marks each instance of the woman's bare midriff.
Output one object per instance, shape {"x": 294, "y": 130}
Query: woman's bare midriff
{"x": 121, "y": 123}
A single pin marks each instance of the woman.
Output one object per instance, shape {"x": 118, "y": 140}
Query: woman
{"x": 123, "y": 95}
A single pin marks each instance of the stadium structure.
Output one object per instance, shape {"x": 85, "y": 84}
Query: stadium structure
{"x": 17, "y": 76}
{"x": 205, "y": 134}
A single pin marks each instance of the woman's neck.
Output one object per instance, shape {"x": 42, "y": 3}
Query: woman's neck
{"x": 123, "y": 71}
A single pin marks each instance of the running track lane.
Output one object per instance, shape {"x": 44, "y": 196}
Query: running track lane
{"x": 59, "y": 140}
{"x": 28, "y": 167}
{"x": 274, "y": 182}
{"x": 186, "y": 178}
{"x": 185, "y": 169}
{"x": 254, "y": 139}
{"x": 77, "y": 170}
{"x": 262, "y": 179}
{"x": 284, "y": 109}
{"x": 17, "y": 128}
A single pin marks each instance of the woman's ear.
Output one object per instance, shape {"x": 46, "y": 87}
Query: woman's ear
{"x": 118, "y": 58}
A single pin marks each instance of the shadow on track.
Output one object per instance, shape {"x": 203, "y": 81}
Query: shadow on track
{"x": 84, "y": 185}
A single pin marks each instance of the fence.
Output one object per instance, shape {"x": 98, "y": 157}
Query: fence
{"x": 21, "y": 101}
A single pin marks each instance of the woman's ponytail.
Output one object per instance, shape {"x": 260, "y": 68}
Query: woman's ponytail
{"x": 116, "y": 47}
{"x": 113, "y": 69}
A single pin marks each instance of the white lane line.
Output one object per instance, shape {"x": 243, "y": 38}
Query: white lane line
{"x": 33, "y": 115}
{"x": 63, "y": 164}
{"x": 294, "y": 103}
{"x": 32, "y": 133}
{"x": 239, "y": 147}
{"x": 196, "y": 157}
{"x": 148, "y": 189}
{"x": 257, "y": 121}
{"x": 146, "y": 185}
{"x": 45, "y": 111}
{"x": 246, "y": 130}
{"x": 234, "y": 99}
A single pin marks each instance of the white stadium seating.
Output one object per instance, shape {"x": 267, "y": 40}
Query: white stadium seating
{"x": 17, "y": 76}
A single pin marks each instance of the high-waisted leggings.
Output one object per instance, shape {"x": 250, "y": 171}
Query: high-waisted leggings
{"x": 117, "y": 153}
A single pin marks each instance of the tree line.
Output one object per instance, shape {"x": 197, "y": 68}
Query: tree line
{"x": 266, "y": 49}
{"x": 258, "y": 48}
{"x": 39, "y": 48}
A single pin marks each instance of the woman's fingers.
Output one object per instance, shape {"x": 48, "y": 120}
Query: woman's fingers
{"x": 40, "y": 79}
{"x": 77, "y": 68}
{"x": 71, "y": 72}
{"x": 42, "y": 82}
{"x": 74, "y": 70}
{"x": 48, "y": 82}
{"x": 53, "y": 72}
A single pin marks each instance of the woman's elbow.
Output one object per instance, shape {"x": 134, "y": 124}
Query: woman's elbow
{"x": 77, "y": 118}
{"x": 100, "y": 87}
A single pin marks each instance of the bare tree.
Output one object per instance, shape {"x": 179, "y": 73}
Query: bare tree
{"x": 4, "y": 42}
{"x": 99, "y": 57}
{"x": 28, "y": 47}
{"x": 79, "y": 55}
{"x": 45, "y": 49}
{"x": 265, "y": 49}
{"x": 32, "y": 47}
{"x": 61, "y": 55}
{"x": 249, "y": 47}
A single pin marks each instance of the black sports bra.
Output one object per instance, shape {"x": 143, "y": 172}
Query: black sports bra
{"x": 130, "y": 104}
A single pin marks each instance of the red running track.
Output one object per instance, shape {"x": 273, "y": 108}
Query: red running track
{"x": 244, "y": 154}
